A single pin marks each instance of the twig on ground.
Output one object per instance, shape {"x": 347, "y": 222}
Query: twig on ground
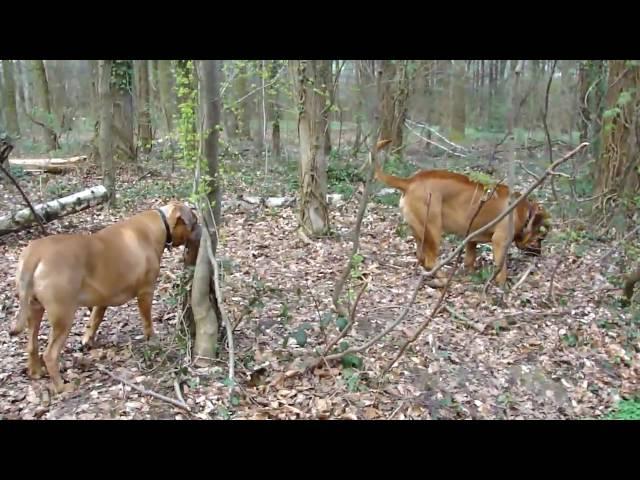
{"x": 522, "y": 278}
{"x": 551, "y": 294}
{"x": 176, "y": 387}
{"x": 144, "y": 391}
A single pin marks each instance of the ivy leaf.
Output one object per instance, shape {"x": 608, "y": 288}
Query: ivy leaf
{"x": 351, "y": 360}
{"x": 341, "y": 323}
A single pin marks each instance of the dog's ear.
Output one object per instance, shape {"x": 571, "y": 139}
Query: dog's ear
{"x": 187, "y": 216}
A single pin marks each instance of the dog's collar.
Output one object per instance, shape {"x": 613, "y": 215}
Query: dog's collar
{"x": 169, "y": 238}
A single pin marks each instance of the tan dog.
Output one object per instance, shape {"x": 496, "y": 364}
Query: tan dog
{"x": 437, "y": 201}
{"x": 60, "y": 273}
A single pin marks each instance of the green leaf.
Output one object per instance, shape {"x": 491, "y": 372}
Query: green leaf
{"x": 300, "y": 337}
{"x": 352, "y": 361}
{"x": 235, "y": 401}
{"x": 343, "y": 346}
{"x": 341, "y": 323}
{"x": 325, "y": 319}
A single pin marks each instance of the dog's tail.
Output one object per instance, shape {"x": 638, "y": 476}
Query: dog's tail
{"x": 389, "y": 180}
{"x": 24, "y": 281}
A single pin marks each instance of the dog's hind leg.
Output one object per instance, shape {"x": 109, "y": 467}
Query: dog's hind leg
{"x": 34, "y": 314}
{"x": 97, "y": 315}
{"x": 61, "y": 319}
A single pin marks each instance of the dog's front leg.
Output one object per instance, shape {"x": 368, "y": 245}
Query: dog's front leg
{"x": 97, "y": 315}
{"x": 144, "y": 306}
{"x": 470, "y": 256}
{"x": 499, "y": 242}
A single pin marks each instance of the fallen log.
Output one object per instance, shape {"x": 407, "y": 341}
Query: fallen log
{"x": 48, "y": 165}
{"x": 58, "y": 208}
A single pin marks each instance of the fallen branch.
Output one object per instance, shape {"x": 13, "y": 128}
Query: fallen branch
{"x": 48, "y": 165}
{"x": 3, "y": 157}
{"x": 54, "y": 209}
{"x": 522, "y": 278}
{"x": 144, "y": 391}
{"x": 435, "y": 132}
{"x": 434, "y": 143}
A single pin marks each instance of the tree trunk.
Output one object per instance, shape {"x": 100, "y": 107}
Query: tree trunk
{"x": 444, "y": 96}
{"x": 106, "y": 127}
{"x": 209, "y": 84}
{"x": 21, "y": 87}
{"x": 43, "y": 104}
{"x": 204, "y": 302}
{"x": 145, "y": 136}
{"x": 124, "y": 145}
{"x": 358, "y": 108}
{"x": 314, "y": 212}
{"x": 618, "y": 167}
{"x": 274, "y": 111}
{"x": 393, "y": 94}
{"x": 95, "y": 95}
{"x": 592, "y": 88}
{"x": 166, "y": 96}
{"x": 49, "y": 211}
{"x": 243, "y": 107}
{"x": 49, "y": 165}
{"x": 9, "y": 104}
{"x": 457, "y": 101}
{"x": 326, "y": 86}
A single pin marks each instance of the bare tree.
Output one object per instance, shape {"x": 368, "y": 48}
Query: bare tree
{"x": 106, "y": 127}
{"x": 122, "y": 79}
{"x": 10, "y": 109}
{"x": 43, "y": 116}
{"x": 457, "y": 101}
{"x": 165, "y": 92}
{"x": 314, "y": 212}
{"x": 145, "y": 136}
{"x": 204, "y": 299}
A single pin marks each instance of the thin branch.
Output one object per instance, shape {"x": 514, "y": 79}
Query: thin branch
{"x": 24, "y": 195}
{"x": 546, "y": 126}
{"x": 522, "y": 278}
{"x": 275, "y": 79}
{"x": 144, "y": 391}
{"x": 352, "y": 320}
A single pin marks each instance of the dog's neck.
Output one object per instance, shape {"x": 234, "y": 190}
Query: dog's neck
{"x": 164, "y": 213}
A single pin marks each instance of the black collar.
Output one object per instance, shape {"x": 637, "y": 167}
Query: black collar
{"x": 169, "y": 239}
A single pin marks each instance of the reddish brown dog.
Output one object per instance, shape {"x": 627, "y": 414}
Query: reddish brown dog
{"x": 60, "y": 273}
{"x": 437, "y": 201}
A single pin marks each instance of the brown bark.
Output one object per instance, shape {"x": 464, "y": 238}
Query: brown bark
{"x": 457, "y": 102}
{"x": 326, "y": 87}
{"x": 274, "y": 112}
{"x": 314, "y": 213}
{"x": 165, "y": 92}
{"x": 393, "y": 94}
{"x": 42, "y": 103}
{"x": 106, "y": 127}
{"x": 243, "y": 108}
{"x": 145, "y": 136}
{"x": 123, "y": 130}
{"x": 9, "y": 100}
{"x": 617, "y": 169}
{"x": 209, "y": 85}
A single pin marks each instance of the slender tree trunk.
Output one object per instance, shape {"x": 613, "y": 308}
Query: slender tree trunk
{"x": 145, "y": 137}
{"x": 95, "y": 94}
{"x": 43, "y": 104}
{"x": 166, "y": 96}
{"x": 326, "y": 84}
{"x": 209, "y": 83}
{"x": 393, "y": 95}
{"x": 444, "y": 95}
{"x": 9, "y": 104}
{"x": 274, "y": 112}
{"x": 314, "y": 212}
{"x": 243, "y": 108}
{"x": 20, "y": 87}
{"x": 123, "y": 130}
{"x": 358, "y": 108}
{"x": 592, "y": 89}
{"x": 106, "y": 128}
{"x": 457, "y": 102}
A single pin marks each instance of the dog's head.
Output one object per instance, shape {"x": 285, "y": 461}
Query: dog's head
{"x": 535, "y": 229}
{"x": 185, "y": 230}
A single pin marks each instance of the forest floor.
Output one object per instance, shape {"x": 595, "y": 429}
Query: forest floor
{"x": 524, "y": 354}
